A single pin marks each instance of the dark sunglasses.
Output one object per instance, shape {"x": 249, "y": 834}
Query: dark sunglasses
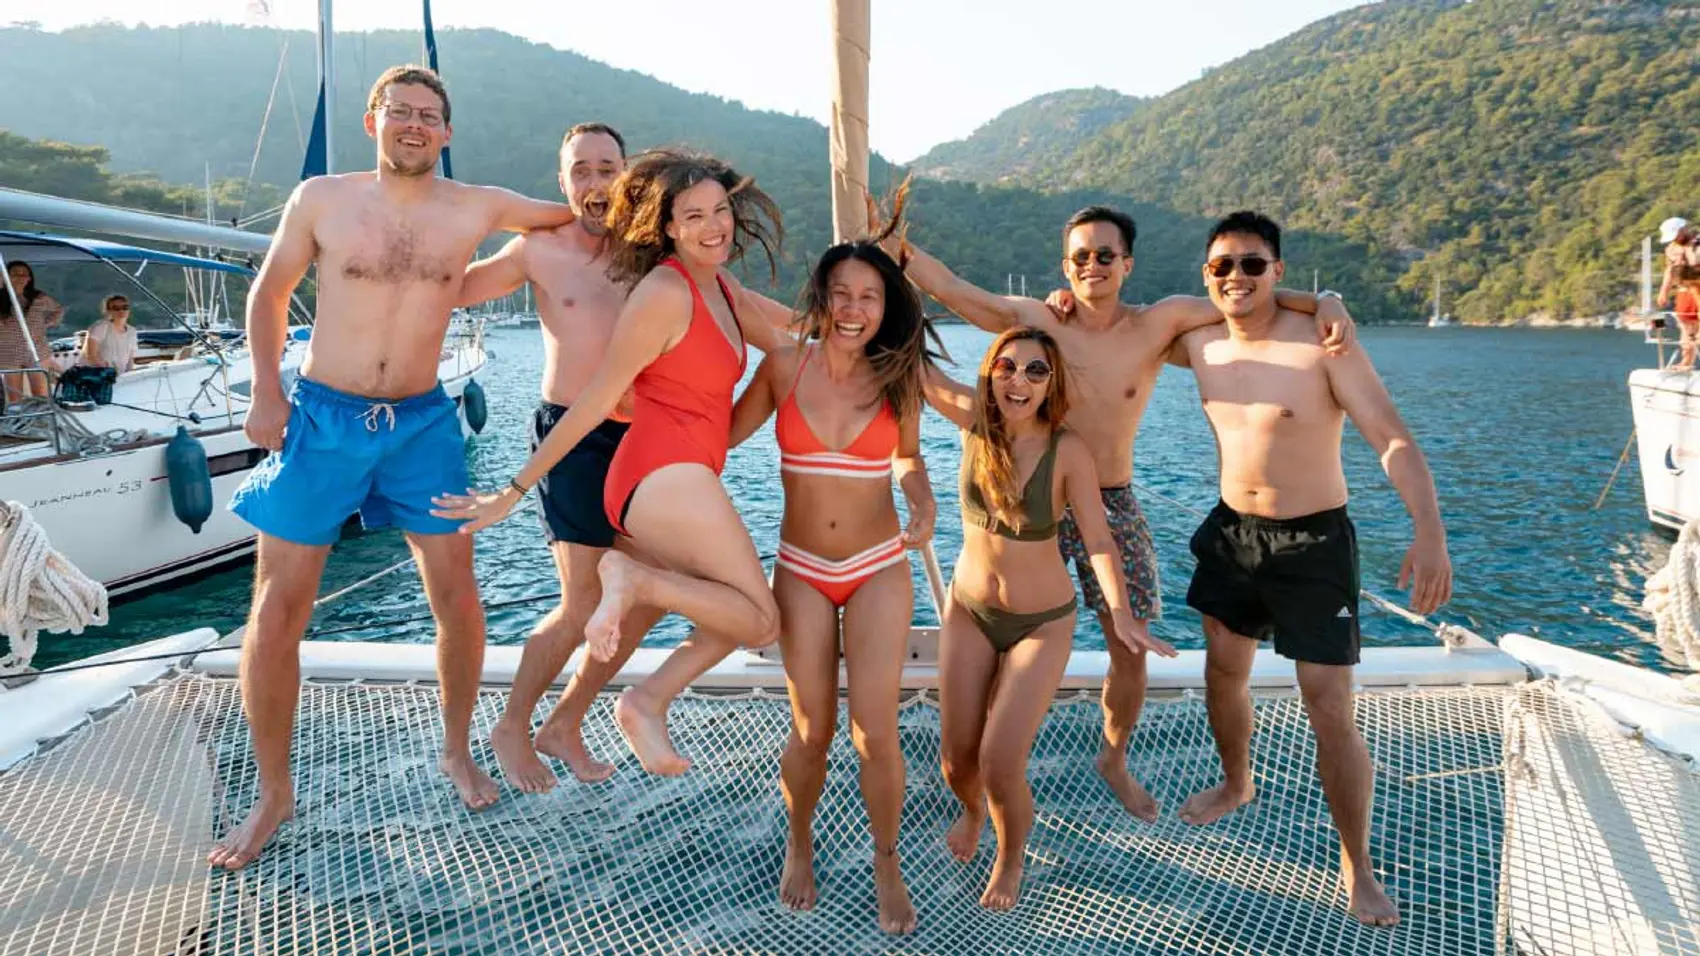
{"x": 1037, "y": 372}
{"x": 1223, "y": 266}
{"x": 118, "y": 307}
{"x": 1104, "y": 254}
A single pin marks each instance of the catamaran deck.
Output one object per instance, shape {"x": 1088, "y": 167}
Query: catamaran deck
{"x": 1509, "y": 820}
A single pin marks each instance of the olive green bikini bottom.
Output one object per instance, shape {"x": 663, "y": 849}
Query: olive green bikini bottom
{"x": 1005, "y": 629}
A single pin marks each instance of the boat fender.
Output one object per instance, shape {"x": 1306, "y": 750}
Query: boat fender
{"x": 191, "y": 483}
{"x": 472, "y": 402}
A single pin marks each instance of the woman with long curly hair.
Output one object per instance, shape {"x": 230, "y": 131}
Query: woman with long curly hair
{"x": 1009, "y": 624}
{"x": 675, "y": 220}
{"x": 848, "y": 397}
{"x": 40, "y": 312}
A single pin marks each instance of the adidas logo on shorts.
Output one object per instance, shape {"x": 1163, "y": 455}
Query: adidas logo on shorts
{"x": 1345, "y": 612}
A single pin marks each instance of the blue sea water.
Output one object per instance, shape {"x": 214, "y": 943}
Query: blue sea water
{"x": 1521, "y": 428}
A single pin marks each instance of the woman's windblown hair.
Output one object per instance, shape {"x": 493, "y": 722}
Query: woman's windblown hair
{"x": 641, "y": 208}
{"x": 989, "y": 443}
{"x": 898, "y": 351}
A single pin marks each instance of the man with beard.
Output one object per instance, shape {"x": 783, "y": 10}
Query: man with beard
{"x": 1277, "y": 556}
{"x": 579, "y": 306}
{"x": 367, "y": 427}
{"x": 1114, "y": 353}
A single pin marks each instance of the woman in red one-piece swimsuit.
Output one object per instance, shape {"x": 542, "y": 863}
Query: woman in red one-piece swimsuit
{"x": 676, "y": 218}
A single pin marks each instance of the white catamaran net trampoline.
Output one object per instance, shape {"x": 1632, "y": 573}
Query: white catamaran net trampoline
{"x": 1508, "y": 820}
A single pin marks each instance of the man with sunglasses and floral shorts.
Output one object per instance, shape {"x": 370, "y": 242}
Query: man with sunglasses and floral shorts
{"x": 1114, "y": 353}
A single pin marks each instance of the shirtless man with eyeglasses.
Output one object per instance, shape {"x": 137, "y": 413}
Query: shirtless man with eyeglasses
{"x": 1114, "y": 352}
{"x": 366, "y": 427}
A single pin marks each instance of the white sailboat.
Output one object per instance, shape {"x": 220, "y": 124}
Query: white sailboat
{"x": 97, "y": 478}
{"x": 1436, "y": 319}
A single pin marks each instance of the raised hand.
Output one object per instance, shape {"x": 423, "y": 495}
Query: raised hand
{"x": 1061, "y": 301}
{"x": 1335, "y": 326}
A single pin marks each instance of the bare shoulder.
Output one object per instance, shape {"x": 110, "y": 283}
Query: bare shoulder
{"x": 1072, "y": 450}
{"x": 663, "y": 288}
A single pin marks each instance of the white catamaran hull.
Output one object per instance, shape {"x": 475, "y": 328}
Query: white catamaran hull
{"x": 110, "y": 514}
{"x": 1667, "y": 428}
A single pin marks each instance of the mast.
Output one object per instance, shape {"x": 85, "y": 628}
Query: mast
{"x": 1646, "y": 275}
{"x": 327, "y": 81}
{"x": 849, "y": 134}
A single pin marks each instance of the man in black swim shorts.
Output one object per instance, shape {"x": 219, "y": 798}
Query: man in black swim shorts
{"x": 1277, "y": 557}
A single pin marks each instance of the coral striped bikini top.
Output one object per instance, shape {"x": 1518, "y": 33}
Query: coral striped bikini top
{"x": 801, "y": 452}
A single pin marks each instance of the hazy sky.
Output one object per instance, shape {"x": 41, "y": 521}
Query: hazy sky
{"x": 938, "y": 70}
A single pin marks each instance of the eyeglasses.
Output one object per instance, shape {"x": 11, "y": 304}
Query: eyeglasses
{"x": 402, "y": 112}
{"x": 1104, "y": 254}
{"x": 118, "y": 307}
{"x": 1223, "y": 266}
{"x": 1036, "y": 372}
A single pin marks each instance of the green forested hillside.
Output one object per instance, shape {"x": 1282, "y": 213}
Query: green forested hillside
{"x": 1028, "y": 137}
{"x": 1515, "y": 150}
{"x": 181, "y": 102}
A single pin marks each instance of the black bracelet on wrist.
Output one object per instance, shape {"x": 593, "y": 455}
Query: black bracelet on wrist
{"x": 515, "y": 485}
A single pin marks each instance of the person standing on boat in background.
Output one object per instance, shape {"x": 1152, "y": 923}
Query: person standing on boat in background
{"x": 1009, "y": 623}
{"x": 1114, "y": 352}
{"x": 112, "y": 341}
{"x": 849, "y": 402}
{"x": 675, "y": 220}
{"x": 41, "y": 312}
{"x": 367, "y": 428}
{"x": 1682, "y": 274}
{"x": 1277, "y": 557}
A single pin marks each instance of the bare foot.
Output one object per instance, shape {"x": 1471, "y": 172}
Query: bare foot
{"x": 1004, "y": 888}
{"x": 566, "y": 744}
{"x": 964, "y": 836}
{"x": 242, "y": 845}
{"x": 619, "y": 593}
{"x": 1369, "y": 903}
{"x": 646, "y": 734}
{"x": 797, "y": 881}
{"x": 897, "y": 913}
{"x": 475, "y": 787}
{"x": 518, "y": 760}
{"x": 1208, "y": 806}
{"x": 1112, "y": 766}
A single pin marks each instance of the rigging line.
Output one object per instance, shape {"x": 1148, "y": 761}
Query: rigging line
{"x": 1402, "y": 612}
{"x": 265, "y": 123}
{"x": 1601, "y": 500}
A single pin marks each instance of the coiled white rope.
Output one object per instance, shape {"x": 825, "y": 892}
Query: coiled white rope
{"x": 1673, "y": 596}
{"x": 39, "y": 589}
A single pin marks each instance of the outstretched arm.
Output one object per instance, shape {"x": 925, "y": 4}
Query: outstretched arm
{"x": 511, "y": 212}
{"x": 755, "y": 405}
{"x": 1360, "y": 392}
{"x": 950, "y": 398}
{"x": 1080, "y": 491}
{"x": 496, "y": 276}
{"x": 1180, "y": 314}
{"x": 653, "y": 319}
{"x": 989, "y": 311}
{"x": 910, "y": 470}
{"x": 1664, "y": 287}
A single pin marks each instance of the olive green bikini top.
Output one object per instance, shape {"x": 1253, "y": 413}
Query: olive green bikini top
{"x": 1035, "y": 499}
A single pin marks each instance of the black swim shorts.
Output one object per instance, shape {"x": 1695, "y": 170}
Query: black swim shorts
{"x": 571, "y": 493}
{"x": 1293, "y": 580}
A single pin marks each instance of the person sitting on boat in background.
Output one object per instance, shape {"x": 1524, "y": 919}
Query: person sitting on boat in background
{"x": 111, "y": 342}
{"x": 849, "y": 401}
{"x": 1682, "y": 274}
{"x": 40, "y": 313}
{"x": 367, "y": 427}
{"x": 1277, "y": 557}
{"x": 676, "y": 219}
{"x": 1009, "y": 623}
{"x": 1114, "y": 351}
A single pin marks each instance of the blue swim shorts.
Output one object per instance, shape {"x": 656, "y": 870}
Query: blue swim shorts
{"x": 383, "y": 458}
